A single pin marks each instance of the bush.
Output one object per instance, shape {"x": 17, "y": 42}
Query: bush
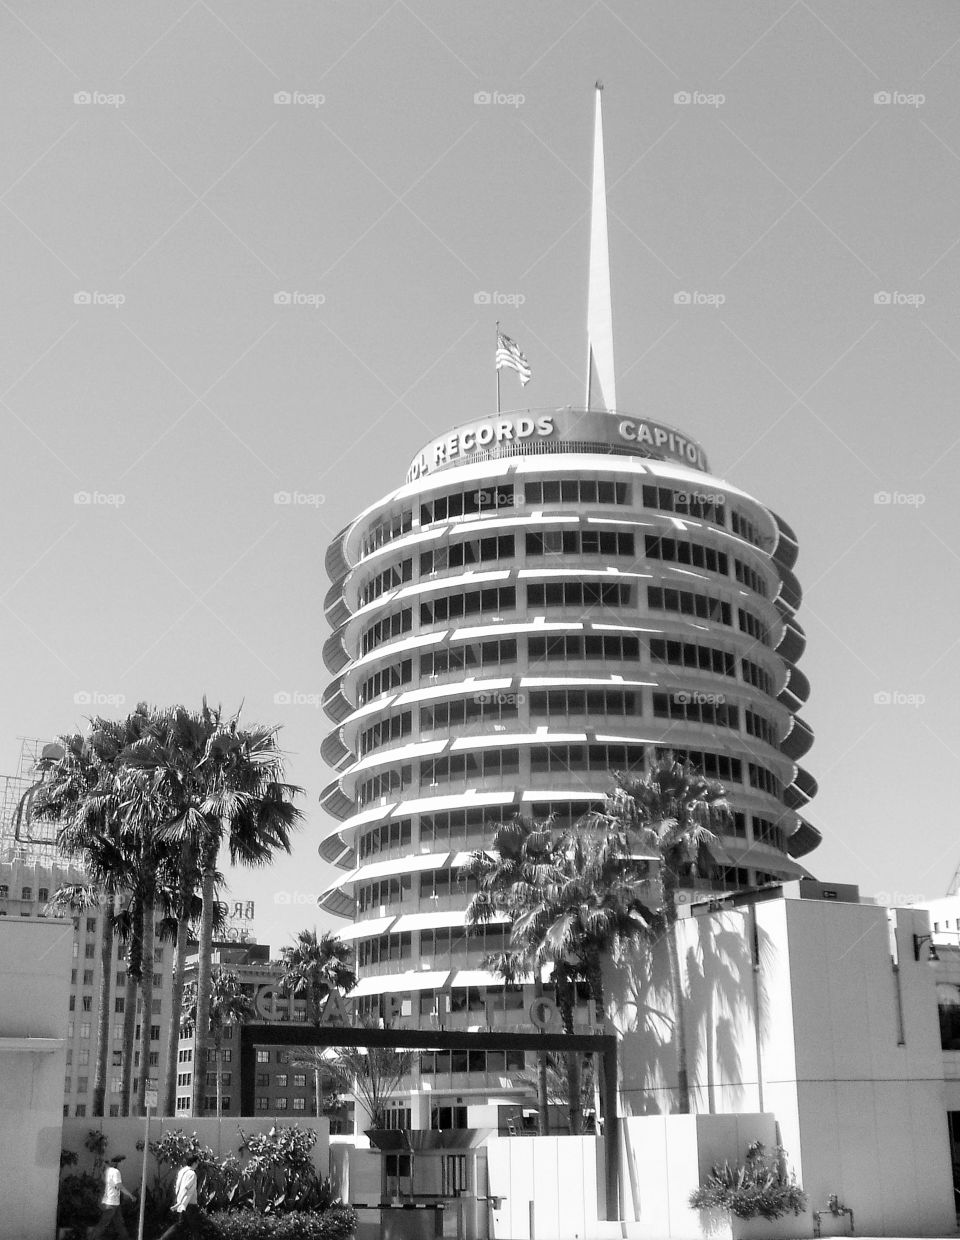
{"x": 336, "y": 1223}
{"x": 758, "y": 1186}
{"x": 78, "y": 1202}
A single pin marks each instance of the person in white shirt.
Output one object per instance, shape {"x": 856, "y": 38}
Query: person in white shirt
{"x": 185, "y": 1206}
{"x": 111, "y": 1219}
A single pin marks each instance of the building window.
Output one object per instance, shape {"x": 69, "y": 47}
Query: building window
{"x": 83, "y": 1056}
{"x": 91, "y": 925}
{"x": 226, "y": 1056}
{"x": 88, "y": 977}
{"x": 299, "y": 1080}
{"x": 490, "y": 602}
{"x": 89, "y": 950}
{"x": 578, "y": 594}
{"x": 299, "y": 1104}
{"x": 26, "y": 893}
{"x": 118, "y": 1005}
{"x": 83, "y": 1084}
{"x": 154, "y": 1033}
{"x": 114, "y": 1109}
{"x": 85, "y": 1029}
{"x": 81, "y": 1110}
{"x": 263, "y": 1080}
{"x": 88, "y": 1003}
{"x": 68, "y": 1084}
{"x": 72, "y": 1003}
{"x": 262, "y": 1103}
{"x": 263, "y": 1056}
{"x": 153, "y": 1059}
{"x": 280, "y": 1104}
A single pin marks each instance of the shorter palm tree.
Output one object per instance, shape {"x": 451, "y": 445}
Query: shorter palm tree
{"x": 316, "y": 967}
{"x": 229, "y": 1005}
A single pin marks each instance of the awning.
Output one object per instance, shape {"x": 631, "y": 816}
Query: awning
{"x": 482, "y": 977}
{"x": 399, "y": 983}
{"x": 442, "y": 917}
{"x": 366, "y": 929}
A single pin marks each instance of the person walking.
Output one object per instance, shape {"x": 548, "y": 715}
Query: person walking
{"x": 111, "y": 1218}
{"x": 187, "y": 1221}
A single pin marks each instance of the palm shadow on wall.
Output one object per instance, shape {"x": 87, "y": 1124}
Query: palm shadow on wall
{"x": 723, "y": 997}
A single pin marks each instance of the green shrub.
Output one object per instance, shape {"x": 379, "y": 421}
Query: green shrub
{"x": 78, "y": 1202}
{"x": 758, "y": 1186}
{"x": 336, "y": 1223}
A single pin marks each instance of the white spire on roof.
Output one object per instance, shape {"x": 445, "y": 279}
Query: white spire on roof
{"x": 601, "y": 383}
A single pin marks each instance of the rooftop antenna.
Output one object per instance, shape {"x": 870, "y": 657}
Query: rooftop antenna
{"x": 601, "y": 384}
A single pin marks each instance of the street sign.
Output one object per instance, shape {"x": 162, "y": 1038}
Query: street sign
{"x": 150, "y": 1099}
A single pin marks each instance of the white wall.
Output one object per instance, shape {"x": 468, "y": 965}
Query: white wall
{"x": 563, "y": 1176}
{"x": 35, "y": 957}
{"x": 860, "y": 1109}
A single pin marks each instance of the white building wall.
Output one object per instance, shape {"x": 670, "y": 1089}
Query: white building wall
{"x": 34, "y": 980}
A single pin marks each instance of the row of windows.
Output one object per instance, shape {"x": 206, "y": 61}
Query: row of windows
{"x": 442, "y": 1063}
{"x": 757, "y": 676}
{"x": 761, "y": 727}
{"x": 265, "y": 1103}
{"x": 26, "y": 893}
{"x": 748, "y": 576}
{"x": 703, "y": 506}
{"x": 385, "y": 629}
{"x": 743, "y": 527}
{"x": 696, "y": 708}
{"x": 279, "y": 1080}
{"x": 581, "y": 542}
{"x": 576, "y": 491}
{"x": 465, "y": 503}
{"x": 385, "y": 949}
{"x": 566, "y": 702}
{"x": 381, "y": 839}
{"x": 471, "y": 551}
{"x": 498, "y": 763}
{"x": 583, "y": 646}
{"x": 494, "y": 600}
{"x": 490, "y": 602}
{"x": 477, "y": 655}
{"x": 389, "y": 579}
{"x": 386, "y": 530}
{"x": 393, "y": 676}
{"x": 392, "y": 728}
{"x": 684, "y": 551}
{"x": 692, "y": 655}
{"x": 385, "y": 891}
{"x": 449, "y": 940}
{"x": 490, "y": 708}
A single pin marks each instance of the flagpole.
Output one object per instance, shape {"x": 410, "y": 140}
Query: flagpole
{"x": 498, "y": 368}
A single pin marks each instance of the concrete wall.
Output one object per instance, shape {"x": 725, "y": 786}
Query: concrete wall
{"x": 816, "y": 1028}
{"x": 35, "y": 957}
{"x": 562, "y": 1176}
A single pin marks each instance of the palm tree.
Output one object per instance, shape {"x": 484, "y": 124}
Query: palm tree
{"x": 315, "y": 968}
{"x": 674, "y": 811}
{"x": 229, "y": 1005}
{"x": 373, "y": 1074}
{"x": 220, "y": 785}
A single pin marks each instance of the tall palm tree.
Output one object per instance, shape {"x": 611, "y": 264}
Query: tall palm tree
{"x": 221, "y": 785}
{"x": 676, "y": 812}
{"x": 315, "y": 967}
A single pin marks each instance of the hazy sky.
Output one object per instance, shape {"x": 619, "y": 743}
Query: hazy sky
{"x": 795, "y": 160}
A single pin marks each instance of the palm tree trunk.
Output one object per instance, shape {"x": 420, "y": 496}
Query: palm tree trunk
{"x": 134, "y": 965}
{"x": 216, "y": 1064}
{"x": 146, "y": 988}
{"x": 204, "y": 966}
{"x": 543, "y": 1093}
{"x": 565, "y": 1002}
{"x": 176, "y": 988}
{"x": 679, "y": 1025}
{"x": 103, "y": 1009}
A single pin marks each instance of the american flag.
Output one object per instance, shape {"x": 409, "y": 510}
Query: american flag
{"x": 508, "y": 354}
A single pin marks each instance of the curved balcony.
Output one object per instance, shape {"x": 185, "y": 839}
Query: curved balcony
{"x": 335, "y": 801}
{"x": 790, "y": 591}
{"x": 337, "y": 851}
{"x": 335, "y": 561}
{"x": 798, "y": 740}
{"x": 801, "y": 791}
{"x": 335, "y": 605}
{"x": 792, "y": 643}
{"x": 335, "y": 705}
{"x": 788, "y": 548}
{"x": 334, "y": 752}
{"x": 334, "y": 655}
{"x": 796, "y": 691}
{"x": 804, "y": 840}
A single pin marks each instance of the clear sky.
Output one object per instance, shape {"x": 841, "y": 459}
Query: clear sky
{"x": 799, "y": 160}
